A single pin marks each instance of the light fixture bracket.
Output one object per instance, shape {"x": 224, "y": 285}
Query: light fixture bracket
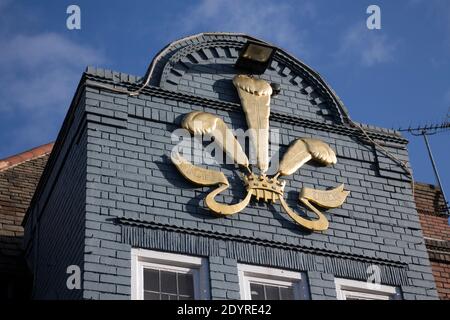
{"x": 255, "y": 57}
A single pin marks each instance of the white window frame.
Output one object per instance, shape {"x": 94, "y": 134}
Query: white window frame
{"x": 271, "y": 276}
{"x": 346, "y": 288}
{"x": 143, "y": 258}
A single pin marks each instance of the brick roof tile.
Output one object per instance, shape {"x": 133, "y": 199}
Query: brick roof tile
{"x": 26, "y": 156}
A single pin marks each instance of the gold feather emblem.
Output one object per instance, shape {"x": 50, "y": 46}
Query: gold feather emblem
{"x": 255, "y": 99}
{"x": 301, "y": 151}
{"x": 198, "y": 122}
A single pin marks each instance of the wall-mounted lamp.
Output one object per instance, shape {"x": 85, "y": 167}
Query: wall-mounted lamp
{"x": 255, "y": 57}
{"x": 276, "y": 89}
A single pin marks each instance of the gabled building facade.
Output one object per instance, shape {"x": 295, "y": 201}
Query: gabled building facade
{"x": 19, "y": 175}
{"x": 113, "y": 203}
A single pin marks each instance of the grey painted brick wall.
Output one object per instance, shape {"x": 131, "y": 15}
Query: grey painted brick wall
{"x": 135, "y": 197}
{"x": 223, "y": 278}
{"x": 322, "y": 286}
{"x": 54, "y": 228}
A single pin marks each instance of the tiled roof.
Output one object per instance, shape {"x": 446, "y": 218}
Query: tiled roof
{"x": 26, "y": 156}
{"x": 19, "y": 176}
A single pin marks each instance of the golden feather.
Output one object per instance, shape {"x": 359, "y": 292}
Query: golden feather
{"x": 320, "y": 151}
{"x": 199, "y": 122}
{"x": 301, "y": 151}
{"x": 257, "y": 87}
{"x": 198, "y": 175}
{"x": 255, "y": 99}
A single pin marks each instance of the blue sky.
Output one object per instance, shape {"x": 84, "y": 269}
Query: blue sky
{"x": 396, "y": 76}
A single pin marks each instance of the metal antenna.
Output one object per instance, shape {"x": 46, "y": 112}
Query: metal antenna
{"x": 425, "y": 131}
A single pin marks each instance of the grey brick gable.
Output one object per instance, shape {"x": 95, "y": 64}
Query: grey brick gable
{"x": 378, "y": 221}
{"x": 135, "y": 197}
{"x": 203, "y": 65}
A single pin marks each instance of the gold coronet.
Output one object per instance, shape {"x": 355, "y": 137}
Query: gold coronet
{"x": 263, "y": 187}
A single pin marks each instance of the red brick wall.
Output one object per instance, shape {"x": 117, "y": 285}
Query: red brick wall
{"x": 435, "y": 226}
{"x": 441, "y": 273}
{"x": 436, "y": 230}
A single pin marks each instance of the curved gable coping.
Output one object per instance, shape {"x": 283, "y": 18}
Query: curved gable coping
{"x": 178, "y": 64}
{"x": 163, "y": 56}
{"x": 380, "y": 135}
{"x": 164, "y": 67}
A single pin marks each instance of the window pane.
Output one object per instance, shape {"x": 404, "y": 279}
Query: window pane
{"x": 185, "y": 284}
{"x": 151, "y": 280}
{"x": 164, "y": 296}
{"x": 287, "y": 293}
{"x": 355, "y": 298}
{"x": 168, "y": 282}
{"x": 272, "y": 293}
{"x": 257, "y": 291}
{"x": 151, "y": 295}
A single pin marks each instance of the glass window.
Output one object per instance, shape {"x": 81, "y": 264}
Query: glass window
{"x": 166, "y": 276}
{"x": 168, "y": 285}
{"x": 360, "y": 290}
{"x": 262, "y": 283}
{"x": 270, "y": 292}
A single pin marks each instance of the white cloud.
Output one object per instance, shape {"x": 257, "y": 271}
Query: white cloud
{"x": 40, "y": 72}
{"x": 39, "y": 76}
{"x": 269, "y": 20}
{"x": 45, "y": 48}
{"x": 369, "y": 47}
